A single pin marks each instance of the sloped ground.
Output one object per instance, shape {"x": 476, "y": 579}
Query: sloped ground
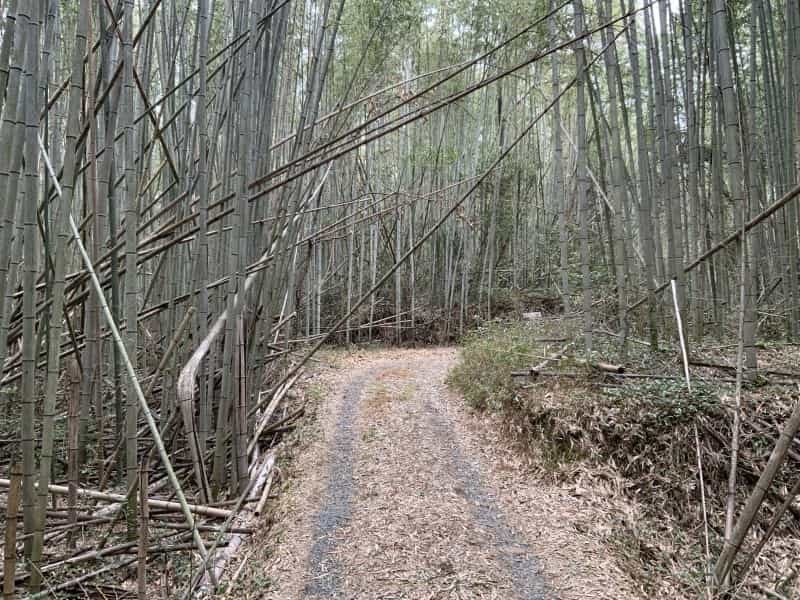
{"x": 398, "y": 491}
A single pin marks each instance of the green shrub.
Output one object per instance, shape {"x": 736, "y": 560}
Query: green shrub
{"x": 488, "y": 357}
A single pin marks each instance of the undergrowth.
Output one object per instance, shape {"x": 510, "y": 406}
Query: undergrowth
{"x": 642, "y": 431}
{"x": 491, "y": 354}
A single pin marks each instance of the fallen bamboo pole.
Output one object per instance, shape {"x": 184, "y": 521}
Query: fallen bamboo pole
{"x": 710, "y": 365}
{"x": 198, "y": 509}
{"x": 210, "y": 572}
{"x": 601, "y": 366}
{"x": 534, "y": 371}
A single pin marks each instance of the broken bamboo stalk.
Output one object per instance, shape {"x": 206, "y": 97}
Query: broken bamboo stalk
{"x": 265, "y": 494}
{"x": 534, "y": 371}
{"x": 601, "y": 366}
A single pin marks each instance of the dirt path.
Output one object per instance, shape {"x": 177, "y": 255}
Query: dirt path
{"x": 403, "y": 493}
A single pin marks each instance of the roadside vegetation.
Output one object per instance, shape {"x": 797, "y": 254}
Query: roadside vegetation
{"x": 633, "y": 444}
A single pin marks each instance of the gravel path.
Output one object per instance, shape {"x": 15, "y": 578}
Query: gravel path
{"x": 403, "y": 493}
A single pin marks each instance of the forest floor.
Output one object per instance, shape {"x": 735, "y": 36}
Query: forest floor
{"x": 394, "y": 488}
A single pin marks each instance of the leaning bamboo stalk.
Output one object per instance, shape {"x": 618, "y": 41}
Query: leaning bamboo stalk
{"x": 428, "y": 234}
{"x": 162, "y": 451}
{"x": 186, "y": 379}
{"x": 776, "y": 517}
{"x": 731, "y": 547}
{"x": 10, "y": 543}
{"x": 197, "y": 509}
{"x": 173, "y": 345}
{"x": 733, "y": 237}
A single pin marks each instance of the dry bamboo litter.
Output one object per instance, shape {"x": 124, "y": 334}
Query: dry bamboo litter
{"x": 85, "y": 577}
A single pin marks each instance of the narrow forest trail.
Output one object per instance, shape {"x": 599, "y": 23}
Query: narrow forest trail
{"x": 401, "y": 492}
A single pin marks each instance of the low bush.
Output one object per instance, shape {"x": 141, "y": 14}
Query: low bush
{"x": 490, "y": 354}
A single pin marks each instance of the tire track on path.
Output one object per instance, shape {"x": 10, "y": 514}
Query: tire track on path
{"x": 515, "y": 554}
{"x": 324, "y": 571}
{"x": 328, "y": 573}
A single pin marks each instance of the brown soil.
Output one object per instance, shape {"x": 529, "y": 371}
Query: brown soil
{"x": 397, "y": 490}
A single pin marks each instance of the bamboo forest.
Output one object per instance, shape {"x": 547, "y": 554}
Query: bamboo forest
{"x": 413, "y": 299}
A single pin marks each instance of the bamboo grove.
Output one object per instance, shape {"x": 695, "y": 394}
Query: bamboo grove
{"x": 250, "y": 179}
